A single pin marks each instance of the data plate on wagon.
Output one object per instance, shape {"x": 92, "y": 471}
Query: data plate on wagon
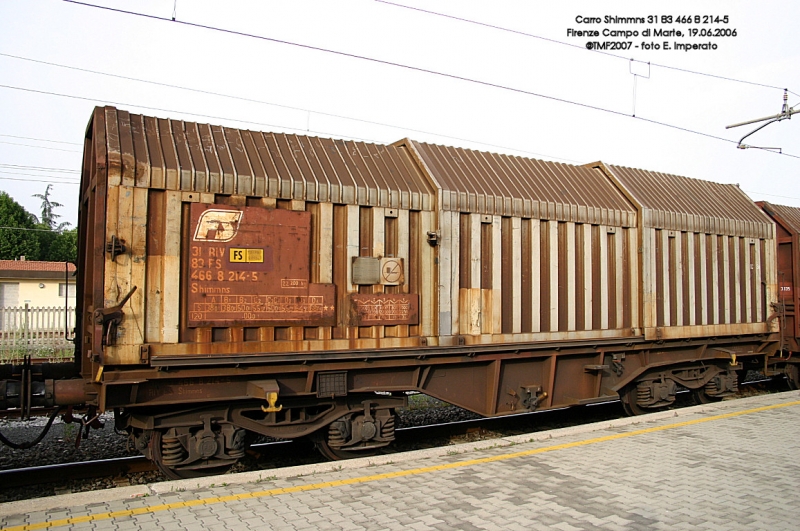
{"x": 250, "y": 266}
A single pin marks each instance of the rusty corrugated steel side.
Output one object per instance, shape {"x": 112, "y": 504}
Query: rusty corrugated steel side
{"x": 673, "y": 202}
{"x": 530, "y": 250}
{"x": 149, "y": 182}
{"x": 707, "y": 255}
{"x": 504, "y": 185}
{"x": 176, "y": 155}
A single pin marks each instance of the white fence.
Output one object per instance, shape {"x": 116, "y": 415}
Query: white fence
{"x": 36, "y": 332}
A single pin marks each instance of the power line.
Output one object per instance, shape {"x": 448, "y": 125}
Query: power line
{"x": 38, "y": 168}
{"x": 555, "y": 41}
{"x": 41, "y": 139}
{"x": 39, "y": 181}
{"x": 35, "y": 230}
{"x": 208, "y": 116}
{"x": 618, "y": 113}
{"x": 771, "y": 195}
{"x": 408, "y": 67}
{"x": 289, "y": 107}
{"x": 40, "y": 147}
{"x": 61, "y": 178}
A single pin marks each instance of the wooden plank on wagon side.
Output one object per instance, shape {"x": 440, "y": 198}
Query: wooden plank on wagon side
{"x": 725, "y": 313}
{"x": 455, "y": 269}
{"x": 123, "y": 263}
{"x": 677, "y": 270}
{"x": 428, "y": 277}
{"x": 571, "y": 265}
{"x": 691, "y": 278}
{"x": 172, "y": 268}
{"x": 378, "y": 244}
{"x": 403, "y": 253}
{"x": 497, "y": 275}
{"x": 635, "y": 287}
{"x": 536, "y": 274}
{"x": 619, "y": 273}
{"x": 154, "y": 265}
{"x": 757, "y": 281}
{"x": 747, "y": 278}
{"x": 603, "y": 280}
{"x": 138, "y": 257}
{"x": 552, "y": 227}
{"x": 516, "y": 274}
{"x": 716, "y": 279}
{"x": 446, "y": 251}
{"x": 702, "y": 256}
{"x": 588, "y": 301}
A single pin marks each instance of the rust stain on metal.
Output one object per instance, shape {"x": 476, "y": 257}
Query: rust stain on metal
{"x": 384, "y": 309}
{"x": 673, "y": 202}
{"x": 250, "y": 266}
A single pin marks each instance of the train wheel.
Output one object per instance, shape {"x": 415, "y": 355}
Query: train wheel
{"x": 338, "y": 454}
{"x": 167, "y": 453}
{"x": 701, "y": 397}
{"x": 357, "y": 435}
{"x": 628, "y": 397}
{"x": 793, "y": 377}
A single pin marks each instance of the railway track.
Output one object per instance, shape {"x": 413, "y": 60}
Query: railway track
{"x": 129, "y": 470}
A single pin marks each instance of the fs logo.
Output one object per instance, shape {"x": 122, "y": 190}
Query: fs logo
{"x": 218, "y": 225}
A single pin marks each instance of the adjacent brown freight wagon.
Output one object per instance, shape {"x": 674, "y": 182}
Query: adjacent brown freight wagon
{"x": 234, "y": 281}
{"x": 787, "y": 220}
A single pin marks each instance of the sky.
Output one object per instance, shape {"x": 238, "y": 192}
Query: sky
{"x": 505, "y": 76}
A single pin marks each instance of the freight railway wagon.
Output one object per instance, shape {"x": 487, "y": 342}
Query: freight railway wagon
{"x": 234, "y": 282}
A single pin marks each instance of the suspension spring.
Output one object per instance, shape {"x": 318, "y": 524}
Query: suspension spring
{"x": 387, "y": 429}
{"x": 336, "y": 436}
{"x": 643, "y": 393}
{"x": 171, "y": 451}
{"x": 236, "y": 450}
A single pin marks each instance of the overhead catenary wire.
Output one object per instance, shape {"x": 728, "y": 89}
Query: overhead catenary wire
{"x": 770, "y": 195}
{"x": 59, "y": 178}
{"x": 161, "y": 109}
{"x": 34, "y": 230}
{"x": 41, "y": 139}
{"x": 39, "y": 180}
{"x": 38, "y": 168}
{"x": 40, "y": 147}
{"x": 407, "y": 67}
{"x": 288, "y": 107}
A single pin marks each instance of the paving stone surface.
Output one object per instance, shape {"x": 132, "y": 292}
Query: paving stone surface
{"x": 726, "y": 467}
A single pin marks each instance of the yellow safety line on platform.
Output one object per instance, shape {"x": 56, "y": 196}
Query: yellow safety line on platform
{"x": 388, "y": 475}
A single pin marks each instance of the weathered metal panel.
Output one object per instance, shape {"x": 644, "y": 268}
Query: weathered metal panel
{"x": 504, "y": 185}
{"x": 197, "y": 157}
{"x": 250, "y": 266}
{"x": 787, "y": 264}
{"x": 691, "y": 205}
{"x": 702, "y": 283}
{"x": 698, "y": 253}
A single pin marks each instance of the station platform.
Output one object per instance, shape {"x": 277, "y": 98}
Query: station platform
{"x": 729, "y": 465}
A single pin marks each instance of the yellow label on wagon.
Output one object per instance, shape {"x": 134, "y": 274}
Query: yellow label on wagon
{"x": 246, "y": 255}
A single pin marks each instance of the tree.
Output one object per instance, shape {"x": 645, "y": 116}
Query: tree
{"x": 17, "y": 237}
{"x": 56, "y": 243}
{"x": 49, "y": 217}
{"x": 63, "y": 248}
